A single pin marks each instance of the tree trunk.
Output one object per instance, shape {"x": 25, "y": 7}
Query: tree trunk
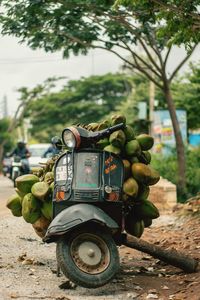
{"x": 1, "y": 152}
{"x": 170, "y": 256}
{"x": 181, "y": 187}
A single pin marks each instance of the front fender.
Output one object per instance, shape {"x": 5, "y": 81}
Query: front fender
{"x": 77, "y": 215}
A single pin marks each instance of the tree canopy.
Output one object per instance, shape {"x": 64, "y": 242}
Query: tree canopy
{"x": 76, "y": 26}
{"x": 186, "y": 92}
{"x": 179, "y": 19}
{"x": 79, "y": 101}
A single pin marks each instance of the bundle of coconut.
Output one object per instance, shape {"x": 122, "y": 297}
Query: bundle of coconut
{"x": 33, "y": 199}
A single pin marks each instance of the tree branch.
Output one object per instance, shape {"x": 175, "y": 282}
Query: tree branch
{"x": 148, "y": 66}
{"x": 16, "y": 118}
{"x": 133, "y": 30}
{"x": 176, "y": 9}
{"x": 181, "y": 64}
{"x": 144, "y": 72}
{"x": 167, "y": 56}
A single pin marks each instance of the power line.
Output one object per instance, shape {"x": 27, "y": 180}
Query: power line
{"x": 22, "y": 58}
{"x": 30, "y": 62}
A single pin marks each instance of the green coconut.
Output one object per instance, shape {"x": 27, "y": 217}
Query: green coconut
{"x": 117, "y": 139}
{"x": 132, "y": 148}
{"x": 47, "y": 210}
{"x": 143, "y": 192}
{"x": 20, "y": 194}
{"x": 129, "y": 133}
{"x": 130, "y": 187}
{"x": 127, "y": 168}
{"x": 101, "y": 126}
{"x": 52, "y": 187}
{"x": 112, "y": 149}
{"x": 145, "y": 140}
{"x": 134, "y": 227}
{"x": 146, "y": 210}
{"x": 118, "y": 119}
{"x": 93, "y": 126}
{"x": 145, "y": 174}
{"x": 24, "y": 183}
{"x": 103, "y": 143}
{"x": 31, "y": 208}
{"x": 133, "y": 159}
{"x": 14, "y": 204}
{"x": 40, "y": 190}
{"x": 40, "y": 226}
{"x": 147, "y": 222}
{"x": 49, "y": 177}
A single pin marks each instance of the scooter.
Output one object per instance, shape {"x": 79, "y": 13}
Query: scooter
{"x": 89, "y": 215}
{"x": 88, "y": 212}
{"x": 17, "y": 168}
{"x": 6, "y": 165}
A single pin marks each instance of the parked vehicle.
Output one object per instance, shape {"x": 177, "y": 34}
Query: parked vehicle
{"x": 88, "y": 213}
{"x": 37, "y": 154}
{"x": 17, "y": 167}
{"x": 6, "y": 165}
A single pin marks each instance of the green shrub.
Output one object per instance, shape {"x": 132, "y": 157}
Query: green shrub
{"x": 167, "y": 167}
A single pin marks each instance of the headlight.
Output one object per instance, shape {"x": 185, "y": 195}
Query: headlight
{"x": 71, "y": 137}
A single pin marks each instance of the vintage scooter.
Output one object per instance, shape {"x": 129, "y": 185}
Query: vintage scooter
{"x": 88, "y": 213}
{"x": 17, "y": 168}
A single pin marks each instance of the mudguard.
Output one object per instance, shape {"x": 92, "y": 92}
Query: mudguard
{"x": 77, "y": 215}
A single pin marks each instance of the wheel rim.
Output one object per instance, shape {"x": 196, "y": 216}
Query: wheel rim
{"x": 90, "y": 253}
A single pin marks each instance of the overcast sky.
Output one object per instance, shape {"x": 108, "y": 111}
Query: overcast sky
{"x": 21, "y": 66}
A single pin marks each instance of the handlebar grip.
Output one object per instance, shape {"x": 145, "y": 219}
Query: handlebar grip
{"x": 106, "y": 132}
{"x": 117, "y": 127}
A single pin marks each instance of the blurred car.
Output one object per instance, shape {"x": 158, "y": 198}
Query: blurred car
{"x": 37, "y": 154}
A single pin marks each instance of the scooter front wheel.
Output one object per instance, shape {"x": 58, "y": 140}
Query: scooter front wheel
{"x": 14, "y": 177}
{"x": 88, "y": 257}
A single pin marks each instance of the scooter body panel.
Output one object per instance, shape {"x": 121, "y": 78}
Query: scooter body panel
{"x": 77, "y": 215}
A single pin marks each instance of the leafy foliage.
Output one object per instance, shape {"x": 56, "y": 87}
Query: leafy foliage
{"x": 75, "y": 26}
{"x": 186, "y": 91}
{"x": 167, "y": 167}
{"x": 180, "y": 19}
{"x": 79, "y": 101}
{"x": 4, "y": 135}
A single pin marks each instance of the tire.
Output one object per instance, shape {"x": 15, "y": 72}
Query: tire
{"x": 88, "y": 257}
{"x": 15, "y": 175}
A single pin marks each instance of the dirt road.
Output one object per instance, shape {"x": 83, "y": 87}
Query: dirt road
{"x": 28, "y": 266}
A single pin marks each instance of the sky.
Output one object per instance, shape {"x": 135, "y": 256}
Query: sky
{"x": 21, "y": 66}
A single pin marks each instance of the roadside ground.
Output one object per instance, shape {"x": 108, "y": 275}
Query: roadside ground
{"x": 28, "y": 266}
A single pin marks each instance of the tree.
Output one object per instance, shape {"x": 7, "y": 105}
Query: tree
{"x": 77, "y": 26}
{"x": 180, "y": 19}
{"x": 8, "y": 126}
{"x": 186, "y": 92}
{"x": 79, "y": 101}
{"x": 6, "y": 139}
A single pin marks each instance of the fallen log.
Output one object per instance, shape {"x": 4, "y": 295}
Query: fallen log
{"x": 170, "y": 256}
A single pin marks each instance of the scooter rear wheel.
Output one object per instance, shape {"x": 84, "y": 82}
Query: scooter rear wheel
{"x": 88, "y": 257}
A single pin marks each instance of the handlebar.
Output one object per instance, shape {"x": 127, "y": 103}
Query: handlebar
{"x": 106, "y": 132}
{"x": 88, "y": 137}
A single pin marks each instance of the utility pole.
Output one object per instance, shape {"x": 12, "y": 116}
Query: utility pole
{"x": 151, "y": 105}
{"x": 5, "y": 107}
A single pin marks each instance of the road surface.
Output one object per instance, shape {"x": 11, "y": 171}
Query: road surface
{"x": 28, "y": 266}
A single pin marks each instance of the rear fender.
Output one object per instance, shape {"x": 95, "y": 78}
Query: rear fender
{"x": 77, "y": 215}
